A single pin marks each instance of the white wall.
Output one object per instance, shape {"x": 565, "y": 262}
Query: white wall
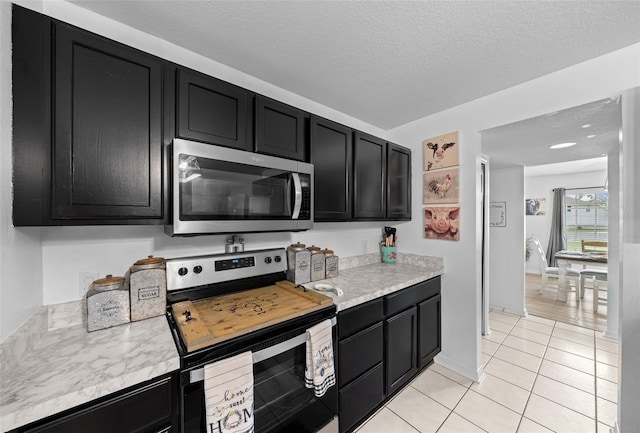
{"x": 506, "y": 247}
{"x": 603, "y": 77}
{"x": 20, "y": 250}
{"x": 539, "y": 226}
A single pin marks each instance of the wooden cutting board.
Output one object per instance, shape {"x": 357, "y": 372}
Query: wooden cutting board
{"x": 221, "y": 318}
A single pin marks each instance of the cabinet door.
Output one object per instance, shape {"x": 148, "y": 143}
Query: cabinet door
{"x": 280, "y": 129}
{"x": 398, "y": 182}
{"x": 359, "y": 353}
{"x": 429, "y": 332}
{"x": 108, "y": 129}
{"x": 400, "y": 354}
{"x": 331, "y": 148}
{"x": 213, "y": 111}
{"x": 369, "y": 170}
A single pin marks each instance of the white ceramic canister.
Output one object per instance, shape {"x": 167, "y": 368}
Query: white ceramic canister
{"x": 317, "y": 263}
{"x": 107, "y": 303}
{"x": 298, "y": 263}
{"x": 331, "y": 263}
{"x": 148, "y": 288}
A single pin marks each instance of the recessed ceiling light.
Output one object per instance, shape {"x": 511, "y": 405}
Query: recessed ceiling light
{"x": 586, "y": 125}
{"x": 591, "y": 136}
{"x": 561, "y": 145}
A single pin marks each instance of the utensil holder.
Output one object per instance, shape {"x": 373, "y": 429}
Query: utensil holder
{"x": 388, "y": 254}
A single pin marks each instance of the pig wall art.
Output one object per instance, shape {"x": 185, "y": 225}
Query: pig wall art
{"x": 442, "y": 223}
{"x": 441, "y": 151}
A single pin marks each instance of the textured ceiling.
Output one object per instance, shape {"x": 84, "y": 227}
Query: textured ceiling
{"x": 388, "y": 62}
{"x": 527, "y": 142}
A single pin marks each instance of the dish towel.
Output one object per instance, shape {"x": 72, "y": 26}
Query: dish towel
{"x": 319, "y": 371}
{"x": 228, "y": 393}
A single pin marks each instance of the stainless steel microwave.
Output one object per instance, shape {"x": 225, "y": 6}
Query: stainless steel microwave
{"x": 221, "y": 190}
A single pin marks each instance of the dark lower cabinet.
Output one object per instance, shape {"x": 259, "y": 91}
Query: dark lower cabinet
{"x": 429, "y": 332}
{"x": 213, "y": 111}
{"x": 369, "y": 172}
{"x": 146, "y": 408}
{"x": 280, "y": 129}
{"x": 382, "y": 345}
{"x": 331, "y": 148}
{"x": 360, "y": 398}
{"x": 401, "y": 348}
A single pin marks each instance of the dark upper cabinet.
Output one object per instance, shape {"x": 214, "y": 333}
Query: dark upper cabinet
{"x": 331, "y": 148}
{"x": 108, "y": 129}
{"x": 213, "y": 111}
{"x": 369, "y": 173}
{"x": 90, "y": 151}
{"x": 400, "y": 360}
{"x": 280, "y": 129}
{"x": 398, "y": 182}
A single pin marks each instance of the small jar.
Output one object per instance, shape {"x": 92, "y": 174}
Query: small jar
{"x": 317, "y": 263}
{"x": 107, "y": 303}
{"x": 331, "y": 263}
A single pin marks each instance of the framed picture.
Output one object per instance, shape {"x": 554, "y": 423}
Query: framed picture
{"x": 535, "y": 206}
{"x": 498, "y": 214}
{"x": 441, "y": 151}
{"x": 442, "y": 223}
{"x": 442, "y": 186}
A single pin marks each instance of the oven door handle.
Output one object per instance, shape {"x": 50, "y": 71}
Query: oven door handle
{"x": 197, "y": 375}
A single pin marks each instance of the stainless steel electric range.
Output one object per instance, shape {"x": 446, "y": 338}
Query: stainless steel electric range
{"x": 225, "y": 304}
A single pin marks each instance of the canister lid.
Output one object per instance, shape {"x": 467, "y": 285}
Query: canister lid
{"x": 327, "y": 252}
{"x": 108, "y": 283}
{"x": 150, "y": 260}
{"x": 314, "y": 249}
{"x": 297, "y": 246}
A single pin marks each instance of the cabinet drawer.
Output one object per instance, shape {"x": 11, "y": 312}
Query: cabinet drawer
{"x": 359, "y": 317}
{"x": 400, "y": 301}
{"x": 147, "y": 409}
{"x": 359, "y": 353}
{"x": 361, "y": 397}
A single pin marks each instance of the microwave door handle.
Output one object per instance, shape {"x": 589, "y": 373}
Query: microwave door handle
{"x": 297, "y": 204}
{"x": 261, "y": 355}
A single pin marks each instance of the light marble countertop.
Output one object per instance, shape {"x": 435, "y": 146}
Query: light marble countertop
{"x": 48, "y": 366}
{"x": 372, "y": 279}
{"x": 52, "y": 363}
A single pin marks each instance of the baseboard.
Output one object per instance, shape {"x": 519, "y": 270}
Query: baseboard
{"x": 613, "y": 335}
{"x": 615, "y": 428}
{"x": 506, "y": 309}
{"x": 474, "y": 374}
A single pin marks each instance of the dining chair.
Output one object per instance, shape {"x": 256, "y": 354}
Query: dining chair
{"x": 596, "y": 247}
{"x": 552, "y": 273}
{"x": 598, "y": 279}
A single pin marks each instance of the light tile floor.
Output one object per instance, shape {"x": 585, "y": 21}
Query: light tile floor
{"x": 541, "y": 376}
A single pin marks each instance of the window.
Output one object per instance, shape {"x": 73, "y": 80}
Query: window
{"x": 586, "y": 216}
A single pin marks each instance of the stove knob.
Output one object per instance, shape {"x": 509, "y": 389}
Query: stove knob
{"x": 183, "y": 271}
{"x": 278, "y": 259}
{"x": 267, "y": 260}
{"x": 197, "y": 269}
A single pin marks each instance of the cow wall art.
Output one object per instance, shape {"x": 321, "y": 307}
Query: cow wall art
{"x": 441, "y": 151}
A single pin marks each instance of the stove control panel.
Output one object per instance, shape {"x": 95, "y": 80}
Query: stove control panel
{"x": 187, "y": 272}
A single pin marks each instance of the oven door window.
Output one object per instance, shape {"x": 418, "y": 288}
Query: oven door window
{"x": 282, "y": 402}
{"x": 218, "y": 190}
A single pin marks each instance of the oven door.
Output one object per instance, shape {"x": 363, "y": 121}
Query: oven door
{"x": 221, "y": 190}
{"x": 282, "y": 402}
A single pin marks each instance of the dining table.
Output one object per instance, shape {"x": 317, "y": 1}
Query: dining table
{"x": 576, "y": 260}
